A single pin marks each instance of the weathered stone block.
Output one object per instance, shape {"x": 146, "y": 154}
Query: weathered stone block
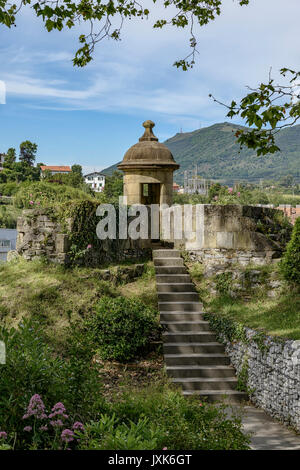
{"x": 61, "y": 243}
{"x": 225, "y": 240}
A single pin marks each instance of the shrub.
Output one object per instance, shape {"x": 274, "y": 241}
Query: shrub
{"x": 42, "y": 194}
{"x": 9, "y": 189}
{"x": 122, "y": 328}
{"x": 33, "y": 368}
{"x": 290, "y": 264}
{"x": 224, "y": 283}
{"x": 8, "y": 217}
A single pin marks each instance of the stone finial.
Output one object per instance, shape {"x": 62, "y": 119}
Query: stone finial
{"x": 148, "y": 134}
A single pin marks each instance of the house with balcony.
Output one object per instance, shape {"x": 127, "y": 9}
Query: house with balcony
{"x": 95, "y": 180}
{"x": 8, "y": 239}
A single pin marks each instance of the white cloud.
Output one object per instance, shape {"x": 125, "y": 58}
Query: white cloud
{"x": 136, "y": 74}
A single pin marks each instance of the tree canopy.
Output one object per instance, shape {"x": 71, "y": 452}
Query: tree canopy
{"x": 106, "y": 19}
{"x": 28, "y": 152}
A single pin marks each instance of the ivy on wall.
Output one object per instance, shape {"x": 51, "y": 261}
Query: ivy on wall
{"x": 79, "y": 220}
{"x": 232, "y": 331}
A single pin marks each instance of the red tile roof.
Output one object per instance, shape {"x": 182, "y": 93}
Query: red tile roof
{"x": 55, "y": 168}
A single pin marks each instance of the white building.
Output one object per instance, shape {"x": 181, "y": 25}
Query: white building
{"x": 8, "y": 239}
{"x": 95, "y": 180}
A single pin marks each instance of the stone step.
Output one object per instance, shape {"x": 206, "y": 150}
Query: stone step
{"x": 179, "y": 287}
{"x": 180, "y": 306}
{"x": 170, "y": 270}
{"x": 181, "y": 316}
{"x": 193, "y": 348}
{"x": 162, "y": 253}
{"x": 178, "y": 296}
{"x": 173, "y": 278}
{"x": 194, "y": 359}
{"x": 168, "y": 262}
{"x": 224, "y": 396}
{"x": 200, "y": 371}
{"x": 197, "y": 359}
{"x": 175, "y": 325}
{"x": 189, "y": 337}
{"x": 199, "y": 383}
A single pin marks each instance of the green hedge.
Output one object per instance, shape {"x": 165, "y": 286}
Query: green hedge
{"x": 41, "y": 194}
{"x": 290, "y": 264}
{"x": 122, "y": 328}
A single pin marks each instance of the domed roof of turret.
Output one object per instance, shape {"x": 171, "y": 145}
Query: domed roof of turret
{"x": 148, "y": 152}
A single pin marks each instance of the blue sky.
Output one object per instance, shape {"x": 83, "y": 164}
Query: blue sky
{"x": 91, "y": 116}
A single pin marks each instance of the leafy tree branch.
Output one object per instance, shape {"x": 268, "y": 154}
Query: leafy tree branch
{"x": 269, "y": 108}
{"x": 106, "y": 19}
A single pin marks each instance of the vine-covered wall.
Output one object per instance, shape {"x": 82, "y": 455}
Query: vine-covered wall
{"x": 67, "y": 235}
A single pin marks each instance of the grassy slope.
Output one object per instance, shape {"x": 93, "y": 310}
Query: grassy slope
{"x": 278, "y": 316}
{"x": 54, "y": 295}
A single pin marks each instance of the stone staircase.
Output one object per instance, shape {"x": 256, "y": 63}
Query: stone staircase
{"x": 193, "y": 357}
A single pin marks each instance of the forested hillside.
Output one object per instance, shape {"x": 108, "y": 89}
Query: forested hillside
{"x": 217, "y": 155}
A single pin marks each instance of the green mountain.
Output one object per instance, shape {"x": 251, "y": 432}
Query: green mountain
{"x": 218, "y": 156}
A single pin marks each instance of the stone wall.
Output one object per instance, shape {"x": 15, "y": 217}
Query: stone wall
{"x": 272, "y": 369}
{"x": 40, "y": 234}
{"x": 227, "y": 234}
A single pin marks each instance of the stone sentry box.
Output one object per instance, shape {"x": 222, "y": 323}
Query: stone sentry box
{"x": 226, "y": 234}
{"x": 148, "y": 168}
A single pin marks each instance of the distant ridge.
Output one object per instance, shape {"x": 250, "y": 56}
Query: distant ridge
{"x": 218, "y": 156}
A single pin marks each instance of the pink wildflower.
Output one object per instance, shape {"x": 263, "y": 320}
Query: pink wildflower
{"x": 230, "y": 190}
{"x": 78, "y": 426}
{"x": 31, "y": 202}
{"x": 3, "y": 435}
{"x": 67, "y": 435}
{"x": 165, "y": 448}
{"x": 216, "y": 198}
{"x": 238, "y": 194}
{"x": 36, "y": 408}
{"x": 44, "y": 428}
{"x": 89, "y": 247}
{"x": 27, "y": 429}
{"x": 58, "y": 410}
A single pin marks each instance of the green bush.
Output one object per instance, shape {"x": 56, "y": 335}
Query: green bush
{"x": 290, "y": 264}
{"x": 122, "y": 328}
{"x": 159, "y": 416}
{"x": 224, "y": 283}
{"x": 8, "y": 216}
{"x": 32, "y": 368}
{"x": 9, "y": 189}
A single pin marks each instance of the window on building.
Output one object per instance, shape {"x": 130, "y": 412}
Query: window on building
{"x": 5, "y": 243}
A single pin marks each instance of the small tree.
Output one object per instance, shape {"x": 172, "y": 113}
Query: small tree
{"x": 77, "y": 169}
{"x": 290, "y": 264}
{"x": 114, "y": 184}
{"x": 28, "y": 152}
{"x": 10, "y": 157}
